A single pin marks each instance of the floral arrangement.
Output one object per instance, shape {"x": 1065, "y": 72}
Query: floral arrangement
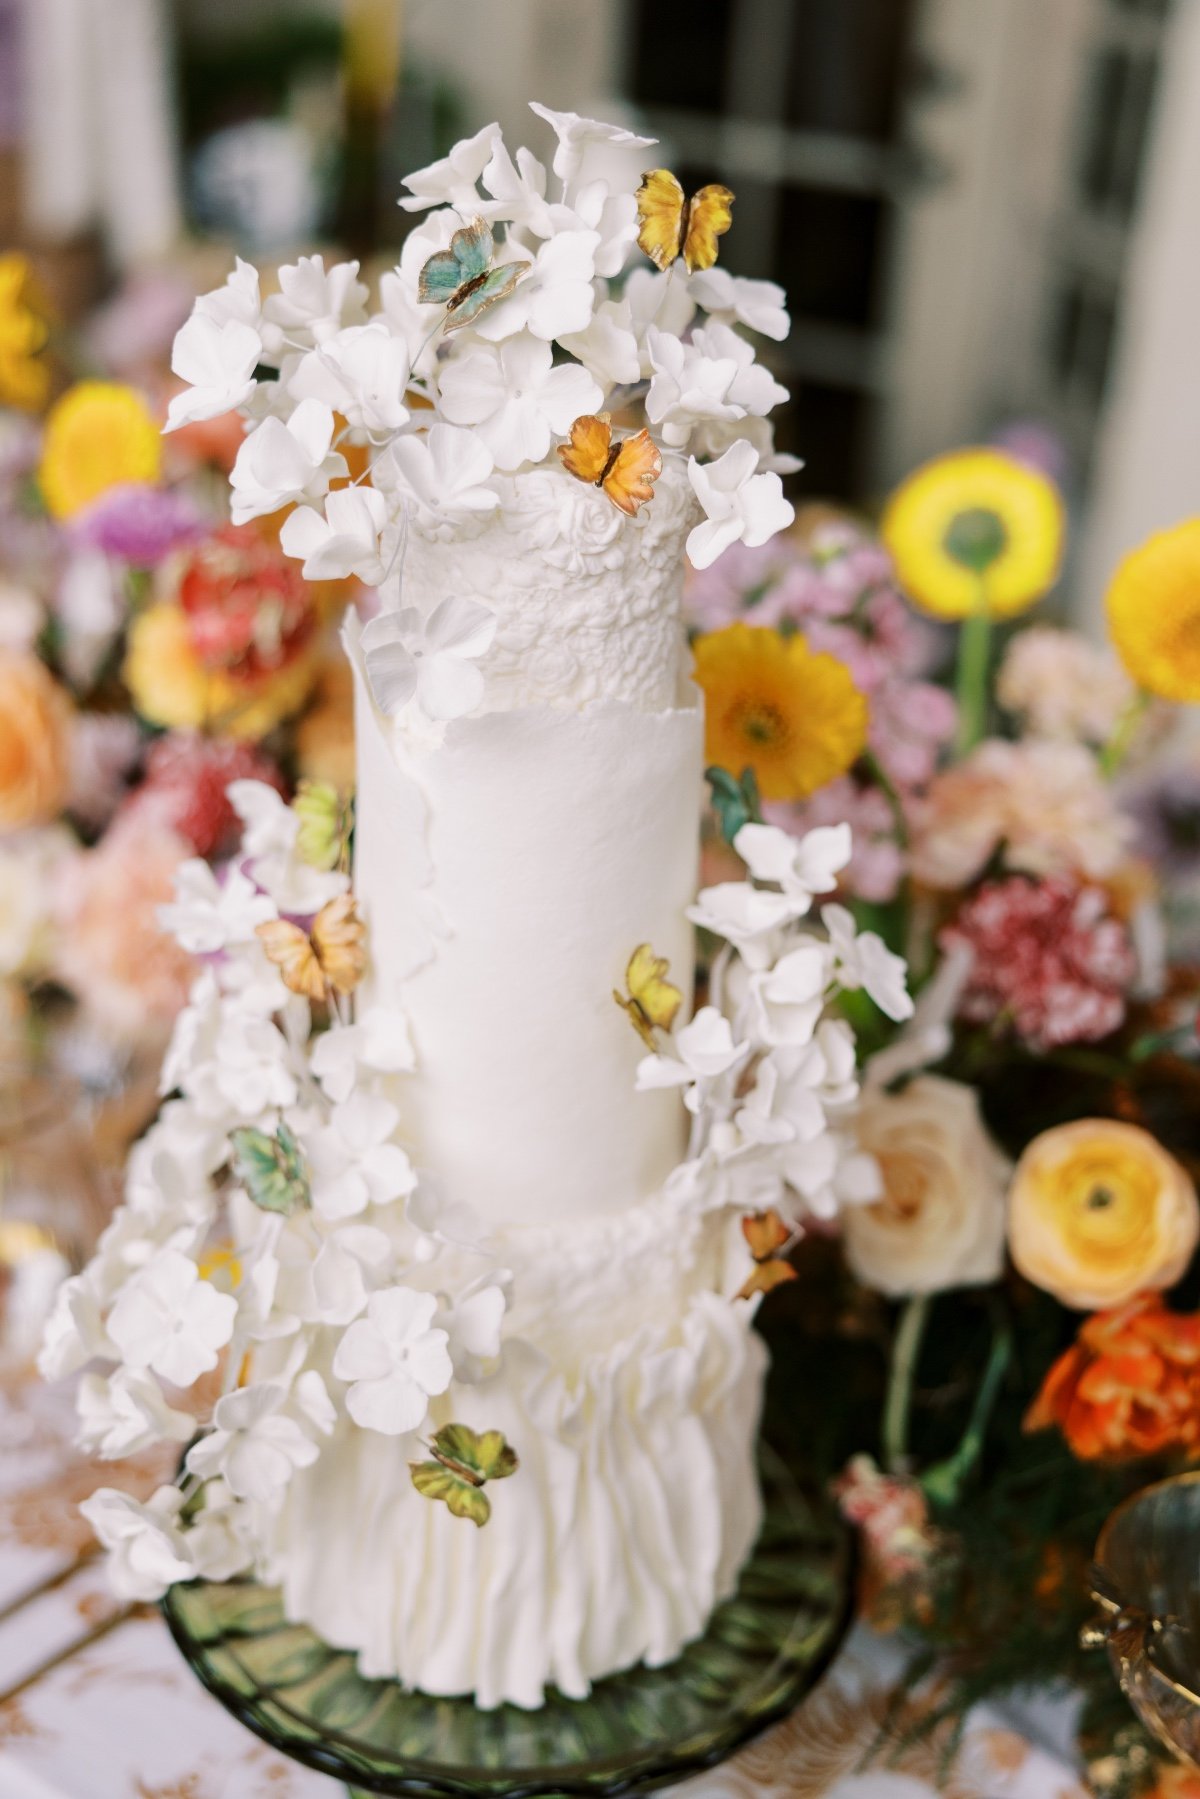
{"x": 151, "y": 651}
{"x": 1032, "y": 1126}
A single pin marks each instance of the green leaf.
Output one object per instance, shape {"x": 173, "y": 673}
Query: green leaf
{"x": 736, "y": 803}
{"x": 464, "y": 1461}
{"x": 272, "y": 1169}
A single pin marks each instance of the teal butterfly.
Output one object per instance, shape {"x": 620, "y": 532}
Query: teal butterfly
{"x": 464, "y": 278}
{"x": 272, "y": 1169}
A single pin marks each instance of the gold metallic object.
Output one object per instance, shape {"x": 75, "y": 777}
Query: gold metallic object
{"x": 1146, "y": 1579}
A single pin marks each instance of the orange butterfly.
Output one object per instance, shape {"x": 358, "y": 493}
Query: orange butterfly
{"x": 332, "y": 959}
{"x": 626, "y": 470}
{"x": 766, "y": 1233}
{"x": 672, "y": 225}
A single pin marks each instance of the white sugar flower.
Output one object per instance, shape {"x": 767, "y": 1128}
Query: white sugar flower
{"x": 516, "y": 398}
{"x": 353, "y": 1161}
{"x": 518, "y": 190}
{"x": 753, "y": 387}
{"x": 745, "y": 916}
{"x": 210, "y": 911}
{"x": 147, "y": 1548}
{"x": 734, "y": 299}
{"x": 343, "y": 540}
{"x": 269, "y": 838}
{"x": 704, "y": 1050}
{"x": 742, "y": 506}
{"x": 577, "y": 136}
{"x": 313, "y": 304}
{"x": 362, "y": 373}
{"x": 614, "y": 219}
{"x": 712, "y": 437}
{"x": 74, "y": 1331}
{"x": 787, "y": 1000}
{"x": 656, "y": 302}
{"x": 379, "y": 1042}
{"x": 330, "y": 1289}
{"x": 170, "y": 1320}
{"x": 555, "y": 298}
{"x": 126, "y": 1414}
{"x": 608, "y": 349}
{"x": 451, "y": 181}
{"x": 255, "y": 1446}
{"x": 802, "y": 866}
{"x": 218, "y": 364}
{"x": 472, "y": 1325}
{"x": 394, "y": 1361}
{"x": 442, "y": 474}
{"x": 432, "y": 661}
{"x": 864, "y": 960}
{"x": 686, "y": 386}
{"x": 280, "y": 463}
{"x": 219, "y": 1537}
{"x": 238, "y": 299}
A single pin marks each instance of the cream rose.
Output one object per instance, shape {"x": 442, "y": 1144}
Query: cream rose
{"x": 35, "y": 721}
{"x": 940, "y": 1222}
{"x": 1099, "y": 1212}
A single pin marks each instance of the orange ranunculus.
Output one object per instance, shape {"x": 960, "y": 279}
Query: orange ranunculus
{"x": 35, "y": 726}
{"x": 1129, "y": 1387}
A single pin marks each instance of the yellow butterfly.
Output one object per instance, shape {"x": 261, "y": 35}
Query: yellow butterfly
{"x": 652, "y": 1001}
{"x": 672, "y": 225}
{"x": 625, "y": 470}
{"x": 766, "y": 1234}
{"x": 332, "y": 959}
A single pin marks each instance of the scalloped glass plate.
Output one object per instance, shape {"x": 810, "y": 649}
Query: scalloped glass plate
{"x": 764, "y": 1650}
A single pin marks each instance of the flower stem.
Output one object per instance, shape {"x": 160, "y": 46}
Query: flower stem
{"x": 944, "y": 1482}
{"x": 887, "y": 787}
{"x": 971, "y": 684}
{"x": 906, "y": 1350}
{"x": 1113, "y": 755}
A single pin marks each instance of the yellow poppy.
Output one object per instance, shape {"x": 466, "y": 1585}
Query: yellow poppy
{"x": 1099, "y": 1212}
{"x": 1153, "y": 605}
{"x": 771, "y": 704}
{"x": 99, "y": 435}
{"x": 169, "y": 686}
{"x": 975, "y": 527}
{"x": 24, "y": 378}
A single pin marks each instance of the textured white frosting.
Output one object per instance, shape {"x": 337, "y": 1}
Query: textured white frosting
{"x": 505, "y": 879}
{"x": 588, "y": 601}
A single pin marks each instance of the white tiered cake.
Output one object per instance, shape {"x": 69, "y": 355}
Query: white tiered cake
{"x": 448, "y": 1294}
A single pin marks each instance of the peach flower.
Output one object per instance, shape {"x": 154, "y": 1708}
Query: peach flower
{"x": 113, "y": 953}
{"x": 35, "y": 730}
{"x": 1045, "y": 802}
{"x": 1129, "y": 1386}
{"x": 1099, "y": 1213}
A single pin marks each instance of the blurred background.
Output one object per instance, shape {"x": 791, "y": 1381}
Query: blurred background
{"x": 983, "y": 214}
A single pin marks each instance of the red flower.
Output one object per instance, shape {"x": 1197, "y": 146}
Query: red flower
{"x": 249, "y": 610}
{"x": 1129, "y": 1386}
{"x": 1048, "y": 959}
{"x": 184, "y": 788}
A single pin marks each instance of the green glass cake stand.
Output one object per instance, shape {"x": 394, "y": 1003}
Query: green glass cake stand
{"x": 764, "y": 1650}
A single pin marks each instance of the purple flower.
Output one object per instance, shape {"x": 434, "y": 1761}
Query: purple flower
{"x": 139, "y": 525}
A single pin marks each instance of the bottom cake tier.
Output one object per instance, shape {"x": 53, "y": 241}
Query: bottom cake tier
{"x": 634, "y": 1405}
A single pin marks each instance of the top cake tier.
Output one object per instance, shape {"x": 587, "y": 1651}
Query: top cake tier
{"x": 587, "y": 601}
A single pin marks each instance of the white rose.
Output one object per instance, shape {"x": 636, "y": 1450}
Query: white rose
{"x": 940, "y": 1223}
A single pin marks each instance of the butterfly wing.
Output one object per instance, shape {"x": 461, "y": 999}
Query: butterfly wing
{"x": 290, "y": 949}
{"x": 764, "y": 1277}
{"x": 339, "y": 944}
{"x": 486, "y": 1454}
{"x": 660, "y": 202}
{"x": 440, "y": 278}
{"x": 469, "y": 256}
{"x": 655, "y": 997}
{"x": 587, "y": 453}
{"x": 433, "y": 1481}
{"x": 709, "y": 216}
{"x": 629, "y": 483}
{"x": 765, "y": 1233}
{"x": 271, "y": 1169}
{"x": 497, "y": 284}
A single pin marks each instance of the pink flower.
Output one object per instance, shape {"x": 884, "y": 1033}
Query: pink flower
{"x": 899, "y": 1541}
{"x": 1048, "y": 960}
{"x": 138, "y": 524}
{"x": 1046, "y": 804}
{"x": 112, "y": 952}
{"x": 1062, "y": 686}
{"x": 105, "y": 747}
{"x": 185, "y": 789}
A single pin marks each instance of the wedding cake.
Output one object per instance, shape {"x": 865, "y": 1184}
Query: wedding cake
{"x": 443, "y": 1255}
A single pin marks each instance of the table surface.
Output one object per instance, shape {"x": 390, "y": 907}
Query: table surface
{"x": 96, "y": 1702}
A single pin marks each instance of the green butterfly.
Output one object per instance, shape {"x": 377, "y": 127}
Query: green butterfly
{"x": 326, "y": 822}
{"x": 464, "y": 278}
{"x": 272, "y": 1169}
{"x": 464, "y": 1461}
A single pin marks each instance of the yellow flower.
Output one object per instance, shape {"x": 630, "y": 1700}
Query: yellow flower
{"x": 169, "y": 686}
{"x": 99, "y": 435}
{"x": 1153, "y": 605}
{"x": 1099, "y": 1212}
{"x": 35, "y": 731}
{"x": 24, "y": 379}
{"x": 772, "y": 705}
{"x": 975, "y": 525}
